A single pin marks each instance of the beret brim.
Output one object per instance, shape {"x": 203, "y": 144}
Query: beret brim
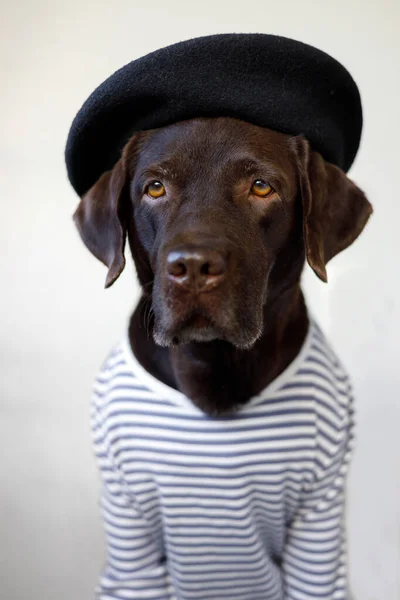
{"x": 267, "y": 80}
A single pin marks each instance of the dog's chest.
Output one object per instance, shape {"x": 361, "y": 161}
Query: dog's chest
{"x": 229, "y": 479}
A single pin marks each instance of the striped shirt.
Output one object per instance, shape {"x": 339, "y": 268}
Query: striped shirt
{"x": 242, "y": 507}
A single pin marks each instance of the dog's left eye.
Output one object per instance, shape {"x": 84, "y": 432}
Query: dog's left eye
{"x": 155, "y": 189}
{"x": 261, "y": 188}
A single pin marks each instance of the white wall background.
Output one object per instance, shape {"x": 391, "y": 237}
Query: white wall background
{"x": 58, "y": 323}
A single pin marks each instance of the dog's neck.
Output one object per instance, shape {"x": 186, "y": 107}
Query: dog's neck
{"x": 216, "y": 376}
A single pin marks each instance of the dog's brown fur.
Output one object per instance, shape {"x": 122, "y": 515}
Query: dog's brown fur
{"x": 225, "y": 345}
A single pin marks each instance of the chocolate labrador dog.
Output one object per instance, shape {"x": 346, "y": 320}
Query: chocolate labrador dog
{"x": 220, "y": 216}
{"x": 231, "y": 485}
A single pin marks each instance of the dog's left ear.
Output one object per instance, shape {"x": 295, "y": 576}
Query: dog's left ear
{"x": 100, "y": 218}
{"x": 335, "y": 210}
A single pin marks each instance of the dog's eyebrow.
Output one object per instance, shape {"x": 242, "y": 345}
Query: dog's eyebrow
{"x": 162, "y": 169}
{"x": 249, "y": 165}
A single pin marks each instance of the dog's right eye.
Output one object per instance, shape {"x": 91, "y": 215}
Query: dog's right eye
{"x": 155, "y": 189}
{"x": 261, "y": 188}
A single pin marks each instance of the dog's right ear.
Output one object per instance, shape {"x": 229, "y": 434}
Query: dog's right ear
{"x": 100, "y": 221}
{"x": 335, "y": 210}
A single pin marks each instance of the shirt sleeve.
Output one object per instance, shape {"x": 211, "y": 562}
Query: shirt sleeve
{"x": 315, "y": 556}
{"x": 135, "y": 568}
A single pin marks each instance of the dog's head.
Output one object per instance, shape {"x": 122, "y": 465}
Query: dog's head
{"x": 220, "y": 216}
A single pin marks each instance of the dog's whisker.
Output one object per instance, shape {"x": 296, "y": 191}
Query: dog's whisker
{"x": 148, "y": 284}
{"x": 148, "y": 312}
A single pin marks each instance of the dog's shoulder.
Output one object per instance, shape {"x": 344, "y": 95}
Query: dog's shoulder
{"x": 110, "y": 380}
{"x": 321, "y": 377}
{"x": 333, "y": 398}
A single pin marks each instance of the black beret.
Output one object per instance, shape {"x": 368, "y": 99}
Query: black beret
{"x": 267, "y": 80}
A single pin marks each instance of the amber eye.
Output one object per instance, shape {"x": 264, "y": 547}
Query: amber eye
{"x": 261, "y": 188}
{"x": 155, "y": 189}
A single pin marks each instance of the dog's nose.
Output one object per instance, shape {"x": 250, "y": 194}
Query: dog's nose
{"x": 196, "y": 269}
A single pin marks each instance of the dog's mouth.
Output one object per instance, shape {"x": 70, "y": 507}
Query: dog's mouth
{"x": 198, "y": 326}
{"x": 231, "y": 313}
{"x": 198, "y": 321}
